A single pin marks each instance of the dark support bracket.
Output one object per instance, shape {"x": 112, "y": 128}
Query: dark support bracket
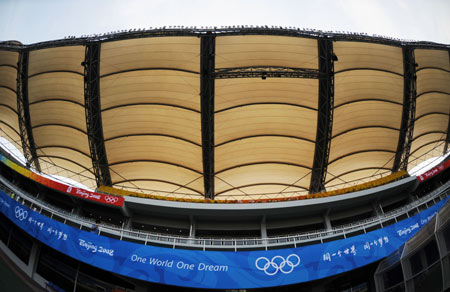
{"x": 324, "y": 114}
{"x": 23, "y": 109}
{"x": 207, "y": 67}
{"x": 409, "y": 110}
{"x": 93, "y": 114}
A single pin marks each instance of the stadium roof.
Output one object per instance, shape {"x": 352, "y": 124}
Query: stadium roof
{"x": 225, "y": 112}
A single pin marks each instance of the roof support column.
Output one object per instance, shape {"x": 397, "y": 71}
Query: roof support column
{"x": 324, "y": 114}
{"x": 409, "y": 110}
{"x": 26, "y": 132}
{"x": 207, "y": 67}
{"x": 447, "y": 139}
{"x": 93, "y": 114}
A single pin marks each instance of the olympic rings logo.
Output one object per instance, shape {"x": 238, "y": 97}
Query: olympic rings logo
{"x": 277, "y": 263}
{"x": 20, "y": 213}
{"x": 111, "y": 200}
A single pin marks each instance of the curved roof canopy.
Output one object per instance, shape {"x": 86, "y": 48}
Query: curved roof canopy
{"x": 225, "y": 113}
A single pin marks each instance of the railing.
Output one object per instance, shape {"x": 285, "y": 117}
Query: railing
{"x": 291, "y": 240}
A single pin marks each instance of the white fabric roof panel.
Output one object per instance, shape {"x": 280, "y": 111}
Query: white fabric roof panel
{"x": 262, "y": 149}
{"x": 366, "y": 114}
{"x": 432, "y": 58}
{"x": 8, "y": 77}
{"x": 150, "y": 100}
{"x": 426, "y": 139}
{"x": 65, "y": 153}
{"x": 9, "y": 58}
{"x": 429, "y": 80}
{"x": 152, "y": 119}
{"x": 269, "y": 174}
{"x": 9, "y": 119}
{"x": 367, "y": 111}
{"x": 430, "y": 123}
{"x": 353, "y": 55}
{"x": 426, "y": 152}
{"x": 430, "y": 132}
{"x": 363, "y": 140}
{"x": 355, "y": 85}
{"x": 237, "y": 92}
{"x": 61, "y": 85}
{"x": 182, "y": 53}
{"x": 9, "y": 123}
{"x": 372, "y": 159}
{"x": 154, "y": 86}
{"x": 61, "y": 136}
{"x": 265, "y": 126}
{"x": 8, "y": 98}
{"x": 432, "y": 105}
{"x": 433, "y": 102}
{"x": 160, "y": 188}
{"x": 66, "y": 58}
{"x": 58, "y": 112}
{"x": 354, "y": 178}
{"x": 155, "y": 148}
{"x": 264, "y": 50}
{"x": 263, "y": 191}
{"x": 265, "y": 120}
{"x": 12, "y": 136}
{"x": 174, "y": 176}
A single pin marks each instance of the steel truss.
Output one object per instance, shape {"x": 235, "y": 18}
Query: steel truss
{"x": 409, "y": 110}
{"x": 266, "y": 72}
{"x": 207, "y": 67}
{"x": 93, "y": 114}
{"x": 23, "y": 110}
{"x": 324, "y": 115}
{"x": 222, "y": 31}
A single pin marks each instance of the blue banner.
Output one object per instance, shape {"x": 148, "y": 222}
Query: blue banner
{"x": 216, "y": 269}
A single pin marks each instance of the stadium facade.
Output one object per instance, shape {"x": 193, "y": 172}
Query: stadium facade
{"x": 225, "y": 158}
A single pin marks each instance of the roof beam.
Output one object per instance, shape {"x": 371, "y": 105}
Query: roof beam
{"x": 409, "y": 110}
{"x": 447, "y": 139}
{"x": 207, "y": 68}
{"x": 222, "y": 31}
{"x": 324, "y": 115}
{"x": 23, "y": 109}
{"x": 93, "y": 114}
{"x": 264, "y": 72}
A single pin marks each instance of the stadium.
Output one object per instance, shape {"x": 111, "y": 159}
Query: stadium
{"x": 229, "y": 159}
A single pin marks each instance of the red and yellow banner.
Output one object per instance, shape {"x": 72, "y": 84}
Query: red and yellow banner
{"x": 434, "y": 171}
{"x": 74, "y": 191}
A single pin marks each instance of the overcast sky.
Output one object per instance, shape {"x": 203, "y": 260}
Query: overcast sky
{"x": 31, "y": 21}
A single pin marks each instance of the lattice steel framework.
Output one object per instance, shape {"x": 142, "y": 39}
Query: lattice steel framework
{"x": 23, "y": 110}
{"x": 324, "y": 114}
{"x": 266, "y": 72}
{"x": 409, "y": 110}
{"x": 93, "y": 114}
{"x": 207, "y": 67}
